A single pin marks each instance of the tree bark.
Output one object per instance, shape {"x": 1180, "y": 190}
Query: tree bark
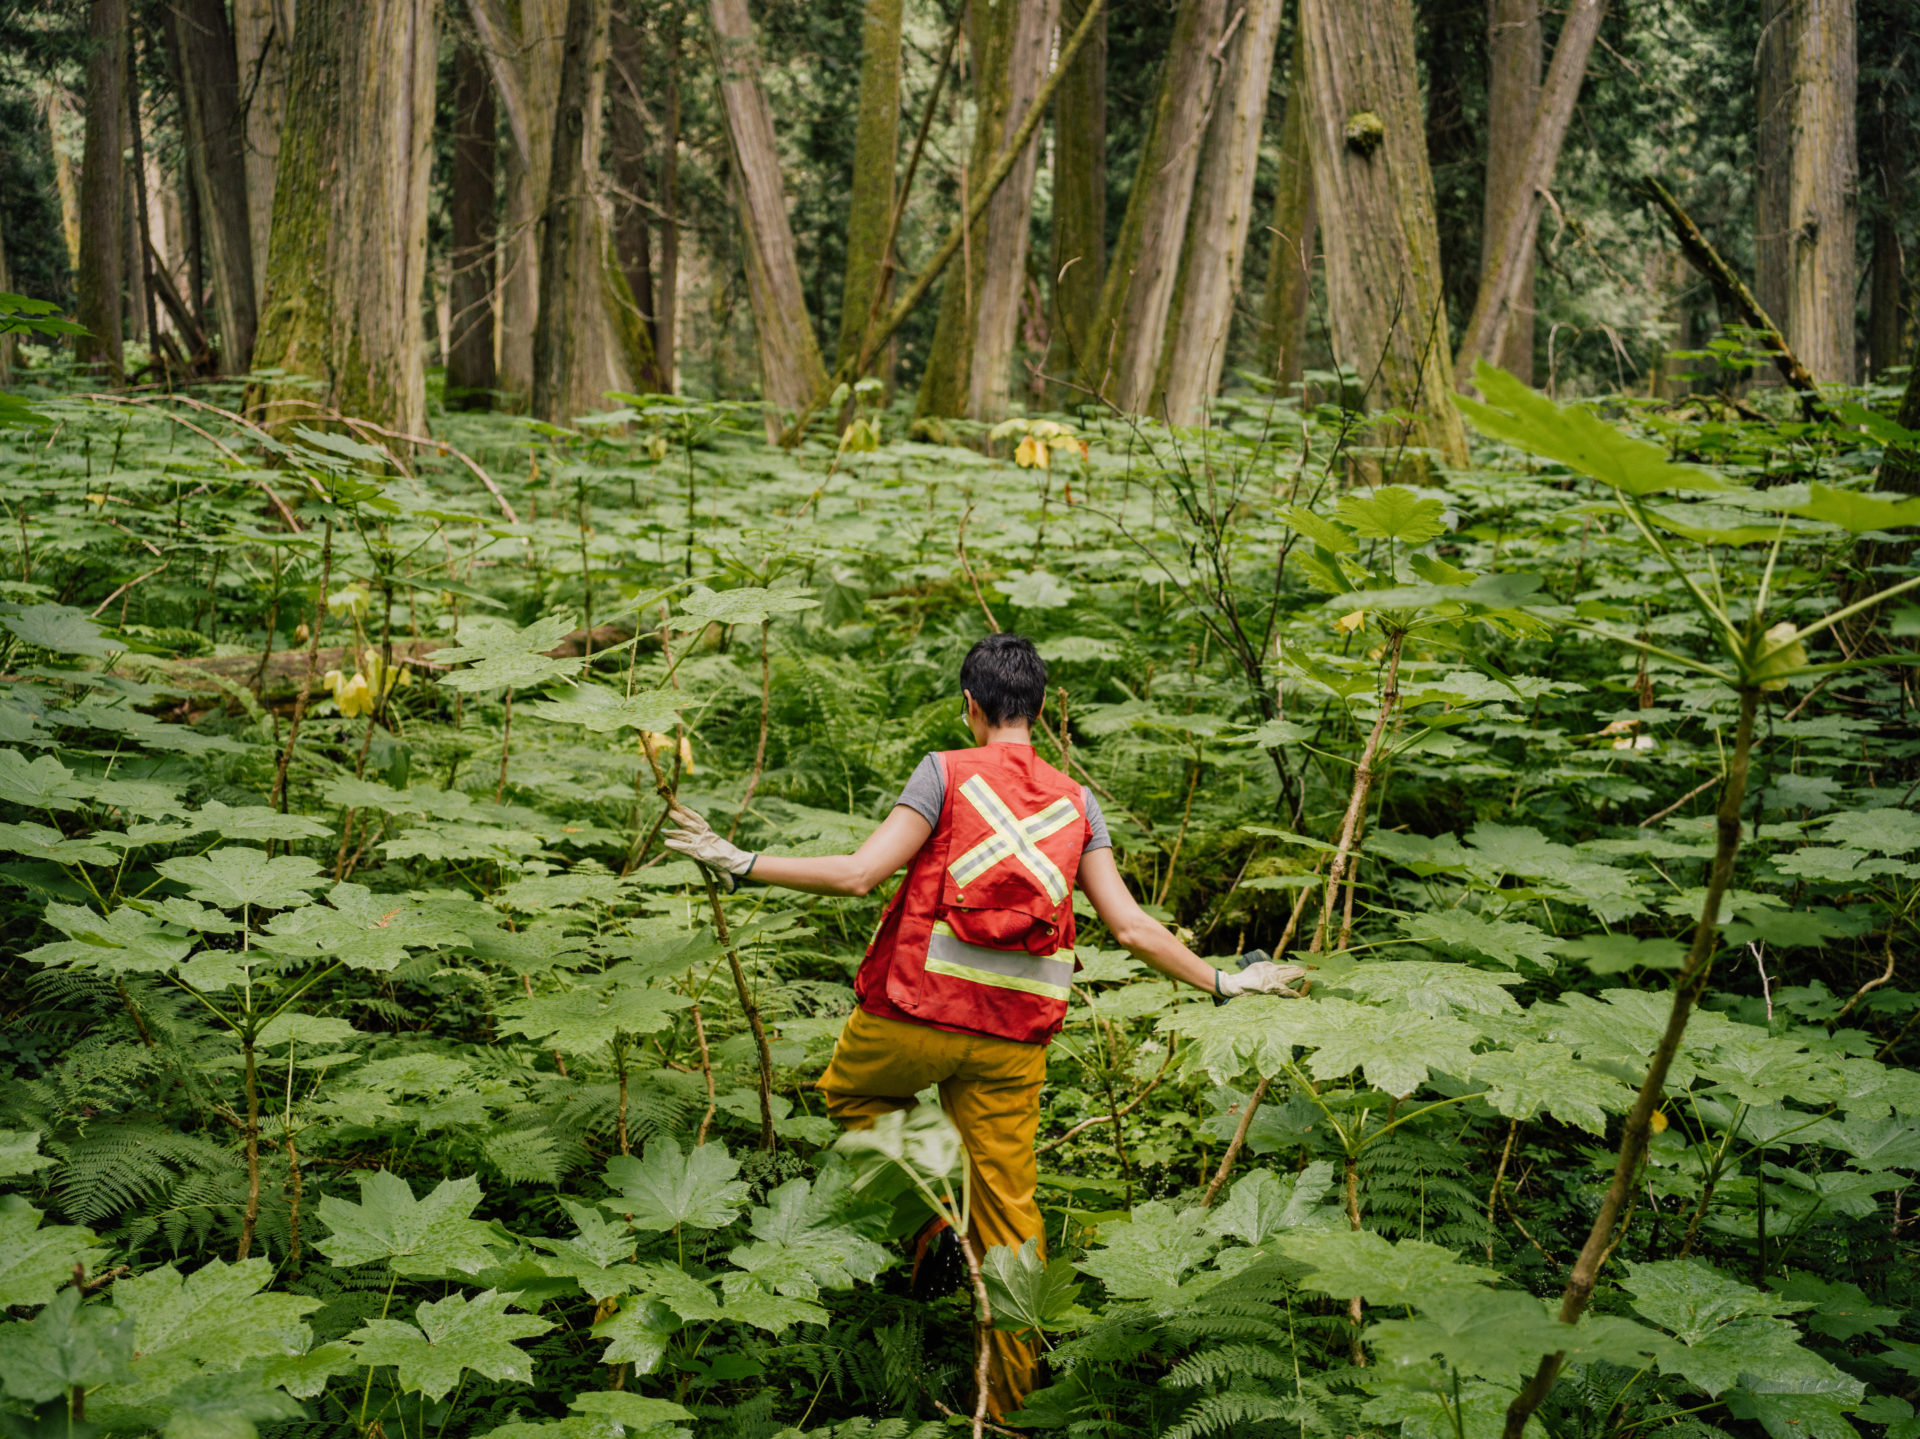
{"x": 470, "y": 205}
{"x": 876, "y": 140}
{"x": 1217, "y": 222}
{"x": 103, "y": 187}
{"x": 1823, "y": 206}
{"x": 1887, "y": 289}
{"x": 666, "y": 290}
{"x": 569, "y": 367}
{"x": 968, "y": 370}
{"x": 1507, "y": 250}
{"x": 210, "y": 111}
{"x": 522, "y": 40}
{"x": 791, "y": 369}
{"x": 1290, "y": 241}
{"x": 348, "y": 249}
{"x": 6, "y": 286}
{"x": 1375, "y": 196}
{"x": 632, "y": 225}
{"x": 1079, "y": 199}
{"x": 1129, "y": 328}
{"x": 263, "y": 42}
{"x": 1513, "y": 94}
{"x": 1773, "y": 155}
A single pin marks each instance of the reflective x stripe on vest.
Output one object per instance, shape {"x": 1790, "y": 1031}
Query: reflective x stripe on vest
{"x": 1013, "y": 838}
{"x": 1051, "y": 977}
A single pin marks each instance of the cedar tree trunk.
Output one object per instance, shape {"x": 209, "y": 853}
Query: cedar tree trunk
{"x": 1217, "y": 221}
{"x": 103, "y": 188}
{"x": 791, "y": 369}
{"x": 1375, "y": 196}
{"x": 263, "y": 43}
{"x": 1079, "y": 198}
{"x": 1130, "y": 326}
{"x": 470, "y": 201}
{"x": 347, "y": 257}
{"x": 1513, "y": 92}
{"x": 1822, "y": 200}
{"x": 216, "y": 136}
{"x": 1887, "y": 291}
{"x": 1290, "y": 252}
{"x": 876, "y": 138}
{"x": 1773, "y": 162}
{"x": 632, "y": 225}
{"x": 666, "y": 294}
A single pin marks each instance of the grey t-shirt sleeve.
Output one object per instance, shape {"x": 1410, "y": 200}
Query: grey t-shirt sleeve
{"x": 1097, "y": 836}
{"x": 926, "y": 790}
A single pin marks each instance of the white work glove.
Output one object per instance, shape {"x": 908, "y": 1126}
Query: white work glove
{"x": 1261, "y": 977}
{"x": 697, "y": 841}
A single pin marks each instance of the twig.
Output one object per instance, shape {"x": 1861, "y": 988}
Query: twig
{"x": 313, "y": 655}
{"x": 1186, "y": 813}
{"x": 960, "y": 548}
{"x": 1869, "y": 986}
{"x": 1693, "y": 793}
{"x": 760, "y": 749}
{"x": 127, "y": 586}
{"x": 506, "y": 748}
{"x": 1122, "y": 1113}
{"x": 1237, "y": 1143}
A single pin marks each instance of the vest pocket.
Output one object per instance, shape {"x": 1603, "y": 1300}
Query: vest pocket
{"x": 949, "y": 954}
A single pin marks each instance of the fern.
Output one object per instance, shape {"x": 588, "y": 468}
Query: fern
{"x": 1226, "y": 1362}
{"x": 1412, "y": 1186}
{"x": 1219, "y": 1412}
{"x": 112, "y": 1168}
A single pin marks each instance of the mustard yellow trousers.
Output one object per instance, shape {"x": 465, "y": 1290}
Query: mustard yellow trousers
{"x": 990, "y": 1089}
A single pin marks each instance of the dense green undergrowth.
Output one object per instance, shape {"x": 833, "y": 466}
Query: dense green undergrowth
{"x": 368, "y": 1066}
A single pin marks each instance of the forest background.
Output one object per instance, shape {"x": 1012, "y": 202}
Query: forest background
{"x": 481, "y": 421}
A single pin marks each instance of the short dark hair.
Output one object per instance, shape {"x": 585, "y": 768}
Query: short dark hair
{"x": 1006, "y": 677}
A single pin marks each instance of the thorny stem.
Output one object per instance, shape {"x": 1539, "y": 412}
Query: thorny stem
{"x": 251, "y": 1217}
{"x": 1362, "y": 782}
{"x": 1237, "y": 1143}
{"x": 766, "y": 713}
{"x": 983, "y": 1329}
{"x": 506, "y": 747}
{"x": 313, "y": 656}
{"x": 1358, "y": 1354}
{"x": 1687, "y": 989}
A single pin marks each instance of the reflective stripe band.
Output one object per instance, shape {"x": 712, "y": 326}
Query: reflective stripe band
{"x": 1014, "y": 838}
{"x": 1051, "y": 977}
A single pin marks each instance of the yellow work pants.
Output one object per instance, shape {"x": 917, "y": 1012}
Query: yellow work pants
{"x": 990, "y": 1089}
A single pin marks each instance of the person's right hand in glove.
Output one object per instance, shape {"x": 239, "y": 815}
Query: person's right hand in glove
{"x": 1258, "y": 975}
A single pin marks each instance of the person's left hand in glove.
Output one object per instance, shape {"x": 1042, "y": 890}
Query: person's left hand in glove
{"x": 696, "y": 840}
{"x": 1263, "y": 976}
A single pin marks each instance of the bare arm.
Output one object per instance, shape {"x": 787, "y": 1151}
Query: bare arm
{"x": 1138, "y": 932}
{"x": 885, "y": 851}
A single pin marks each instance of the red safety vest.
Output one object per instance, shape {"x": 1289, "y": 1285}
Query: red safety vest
{"x": 979, "y": 936}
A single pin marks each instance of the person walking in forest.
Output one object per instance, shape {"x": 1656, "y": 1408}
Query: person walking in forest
{"x": 970, "y": 971}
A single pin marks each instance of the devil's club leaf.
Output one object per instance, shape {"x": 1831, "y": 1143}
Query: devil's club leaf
{"x": 238, "y": 876}
{"x": 498, "y": 654}
{"x": 1694, "y": 1299}
{"x": 20, "y": 1154}
{"x": 1531, "y": 1077}
{"x": 603, "y": 711}
{"x": 360, "y": 929}
{"x": 453, "y": 1334}
{"x": 747, "y": 605}
{"x": 1262, "y": 1203}
{"x": 584, "y": 1019}
{"x": 1026, "y": 1292}
{"x": 124, "y": 941}
{"x": 1394, "y": 512}
{"x": 416, "y": 1236}
{"x": 65, "y": 1347}
{"x": 60, "y": 628}
{"x": 1345, "y": 1263}
{"x": 1394, "y": 1048}
{"x": 1429, "y": 988}
{"x": 1148, "y": 1256}
{"x": 42, "y": 783}
{"x": 1505, "y": 940}
{"x": 637, "y": 1334}
{"x": 36, "y": 1260}
{"x": 667, "y": 1189}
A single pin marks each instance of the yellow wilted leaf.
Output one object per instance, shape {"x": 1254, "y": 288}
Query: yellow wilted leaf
{"x": 657, "y": 744}
{"x": 1790, "y": 658}
{"x": 353, "y": 600}
{"x": 1348, "y": 623}
{"x": 355, "y": 697}
{"x": 1032, "y": 454}
{"x": 657, "y": 447}
{"x": 1658, "y": 1122}
{"x": 1068, "y": 447}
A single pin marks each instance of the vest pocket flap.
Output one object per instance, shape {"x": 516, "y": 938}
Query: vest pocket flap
{"x": 999, "y": 928}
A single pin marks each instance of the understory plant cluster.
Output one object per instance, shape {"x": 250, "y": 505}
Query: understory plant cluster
{"x": 367, "y": 1066}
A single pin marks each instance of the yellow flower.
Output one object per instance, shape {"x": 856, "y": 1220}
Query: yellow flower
{"x": 354, "y": 697}
{"x": 1773, "y": 669}
{"x": 1032, "y": 454}
{"x": 655, "y": 744}
{"x": 1347, "y": 624}
{"x": 1658, "y": 1123}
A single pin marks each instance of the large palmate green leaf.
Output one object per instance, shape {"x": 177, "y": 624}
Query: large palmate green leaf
{"x": 1534, "y": 1078}
{"x": 1855, "y": 511}
{"x": 1148, "y": 1256}
{"x": 60, "y": 628}
{"x": 598, "y": 1258}
{"x": 415, "y": 1236}
{"x": 1501, "y": 1334}
{"x": 497, "y": 654}
{"x": 20, "y": 1154}
{"x": 1428, "y": 987}
{"x": 1394, "y": 512}
{"x": 1507, "y": 941}
{"x": 1693, "y": 1299}
{"x": 747, "y": 605}
{"x": 1884, "y": 831}
{"x": 637, "y": 1333}
{"x": 800, "y": 1244}
{"x": 237, "y": 877}
{"x": 1576, "y": 437}
{"x": 256, "y": 822}
{"x": 360, "y": 929}
{"x": 1394, "y": 1049}
{"x": 1025, "y": 1292}
{"x": 1349, "y": 1262}
{"x": 450, "y": 1336}
{"x": 602, "y": 710}
{"x": 1263, "y": 1203}
{"x": 583, "y": 1019}
{"x": 667, "y": 1188}
{"x": 124, "y": 941}
{"x": 41, "y": 783}
{"x": 35, "y": 1259}
{"x": 66, "y": 1346}
{"x": 39, "y": 841}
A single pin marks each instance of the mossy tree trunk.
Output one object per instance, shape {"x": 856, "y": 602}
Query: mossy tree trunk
{"x": 1513, "y": 91}
{"x": 347, "y": 255}
{"x": 632, "y": 230}
{"x": 1079, "y": 262}
{"x": 522, "y": 40}
{"x": 666, "y": 304}
{"x": 791, "y": 368}
{"x": 1129, "y": 328}
{"x": 569, "y": 347}
{"x": 210, "y": 111}
{"x": 1822, "y": 194}
{"x": 263, "y": 42}
{"x": 968, "y": 371}
{"x": 1291, "y": 235}
{"x": 103, "y": 189}
{"x": 1506, "y": 250}
{"x": 1773, "y": 162}
{"x": 1887, "y": 286}
{"x": 876, "y": 139}
{"x": 470, "y": 206}
{"x": 1218, "y": 220}
{"x": 1375, "y": 197}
